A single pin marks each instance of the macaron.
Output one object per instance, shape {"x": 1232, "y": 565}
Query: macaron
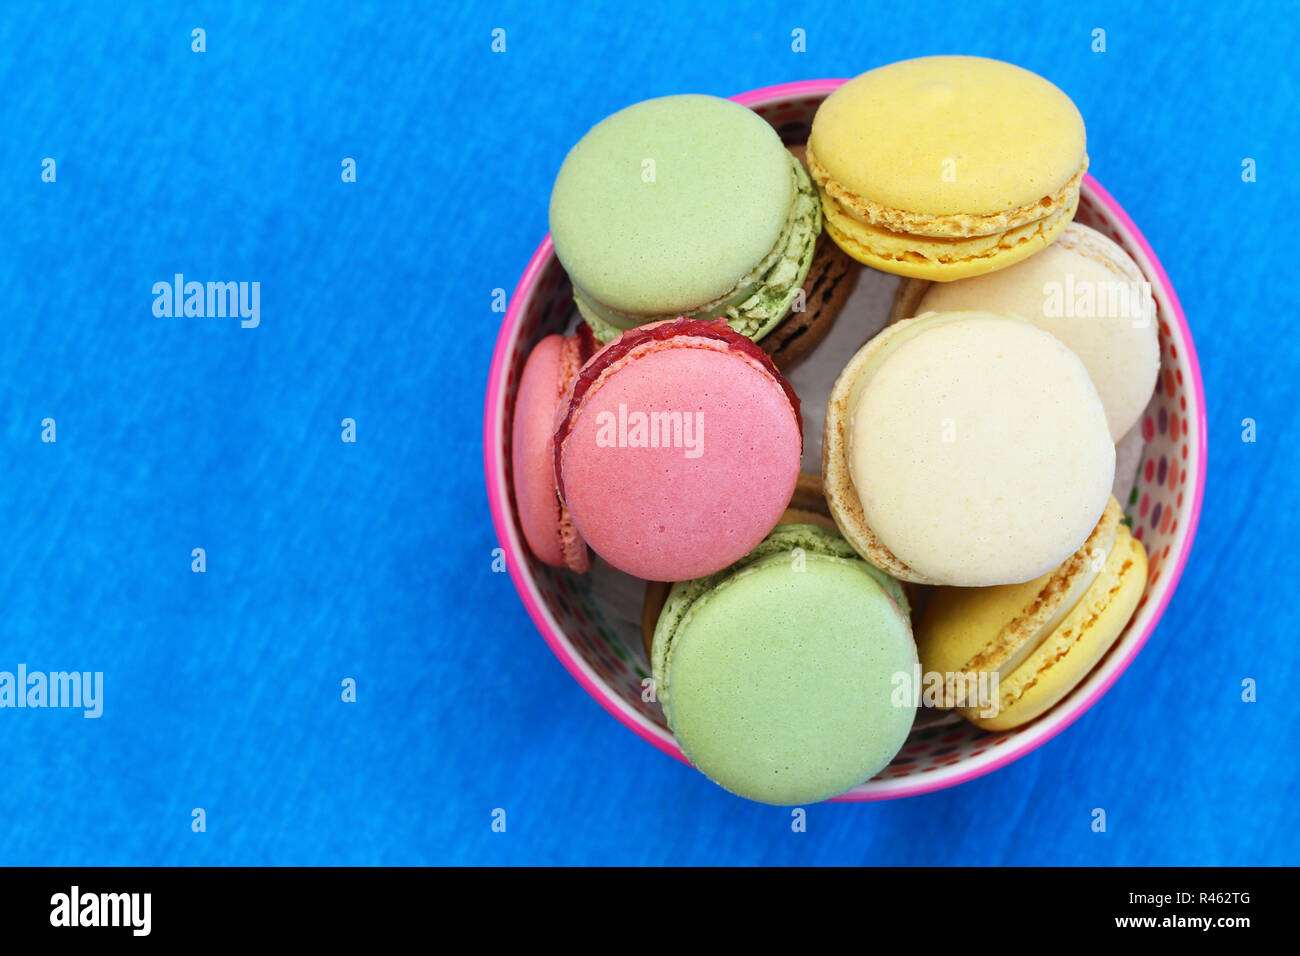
{"x": 549, "y": 373}
{"x": 946, "y": 167}
{"x": 684, "y": 206}
{"x": 967, "y": 449}
{"x": 776, "y": 675}
{"x": 677, "y": 449}
{"x": 1086, "y": 291}
{"x": 1041, "y": 637}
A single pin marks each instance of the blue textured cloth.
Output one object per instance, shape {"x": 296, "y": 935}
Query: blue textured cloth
{"x": 372, "y": 560}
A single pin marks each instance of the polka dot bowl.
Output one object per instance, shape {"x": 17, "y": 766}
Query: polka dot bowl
{"x": 599, "y": 641}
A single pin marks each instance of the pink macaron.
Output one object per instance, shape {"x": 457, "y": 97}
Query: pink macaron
{"x": 678, "y": 449}
{"x": 548, "y": 375}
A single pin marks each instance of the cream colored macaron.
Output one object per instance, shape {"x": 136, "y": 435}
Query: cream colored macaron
{"x": 1087, "y": 292}
{"x": 967, "y": 449}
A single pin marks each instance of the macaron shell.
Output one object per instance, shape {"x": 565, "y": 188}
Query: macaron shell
{"x": 781, "y": 680}
{"x": 669, "y": 203}
{"x": 532, "y": 454}
{"x": 1004, "y": 137}
{"x": 1066, "y": 657}
{"x": 979, "y": 451}
{"x": 1072, "y": 290}
{"x": 673, "y": 513}
{"x": 939, "y": 259}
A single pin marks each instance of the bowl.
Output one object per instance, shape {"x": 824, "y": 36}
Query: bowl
{"x": 591, "y": 622}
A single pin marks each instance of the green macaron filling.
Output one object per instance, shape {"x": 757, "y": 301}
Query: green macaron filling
{"x": 759, "y": 300}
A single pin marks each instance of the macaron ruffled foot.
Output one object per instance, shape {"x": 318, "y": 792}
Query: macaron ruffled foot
{"x": 1039, "y": 639}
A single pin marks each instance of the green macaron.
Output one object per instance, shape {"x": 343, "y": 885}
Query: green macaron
{"x": 777, "y": 675}
{"x": 684, "y": 205}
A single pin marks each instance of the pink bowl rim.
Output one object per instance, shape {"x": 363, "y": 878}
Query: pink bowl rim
{"x": 1021, "y": 743}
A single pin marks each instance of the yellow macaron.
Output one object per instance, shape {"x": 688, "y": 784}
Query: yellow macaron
{"x": 946, "y": 167}
{"x": 1041, "y": 638}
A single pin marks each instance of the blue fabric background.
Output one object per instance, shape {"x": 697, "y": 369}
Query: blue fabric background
{"x": 329, "y": 560}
